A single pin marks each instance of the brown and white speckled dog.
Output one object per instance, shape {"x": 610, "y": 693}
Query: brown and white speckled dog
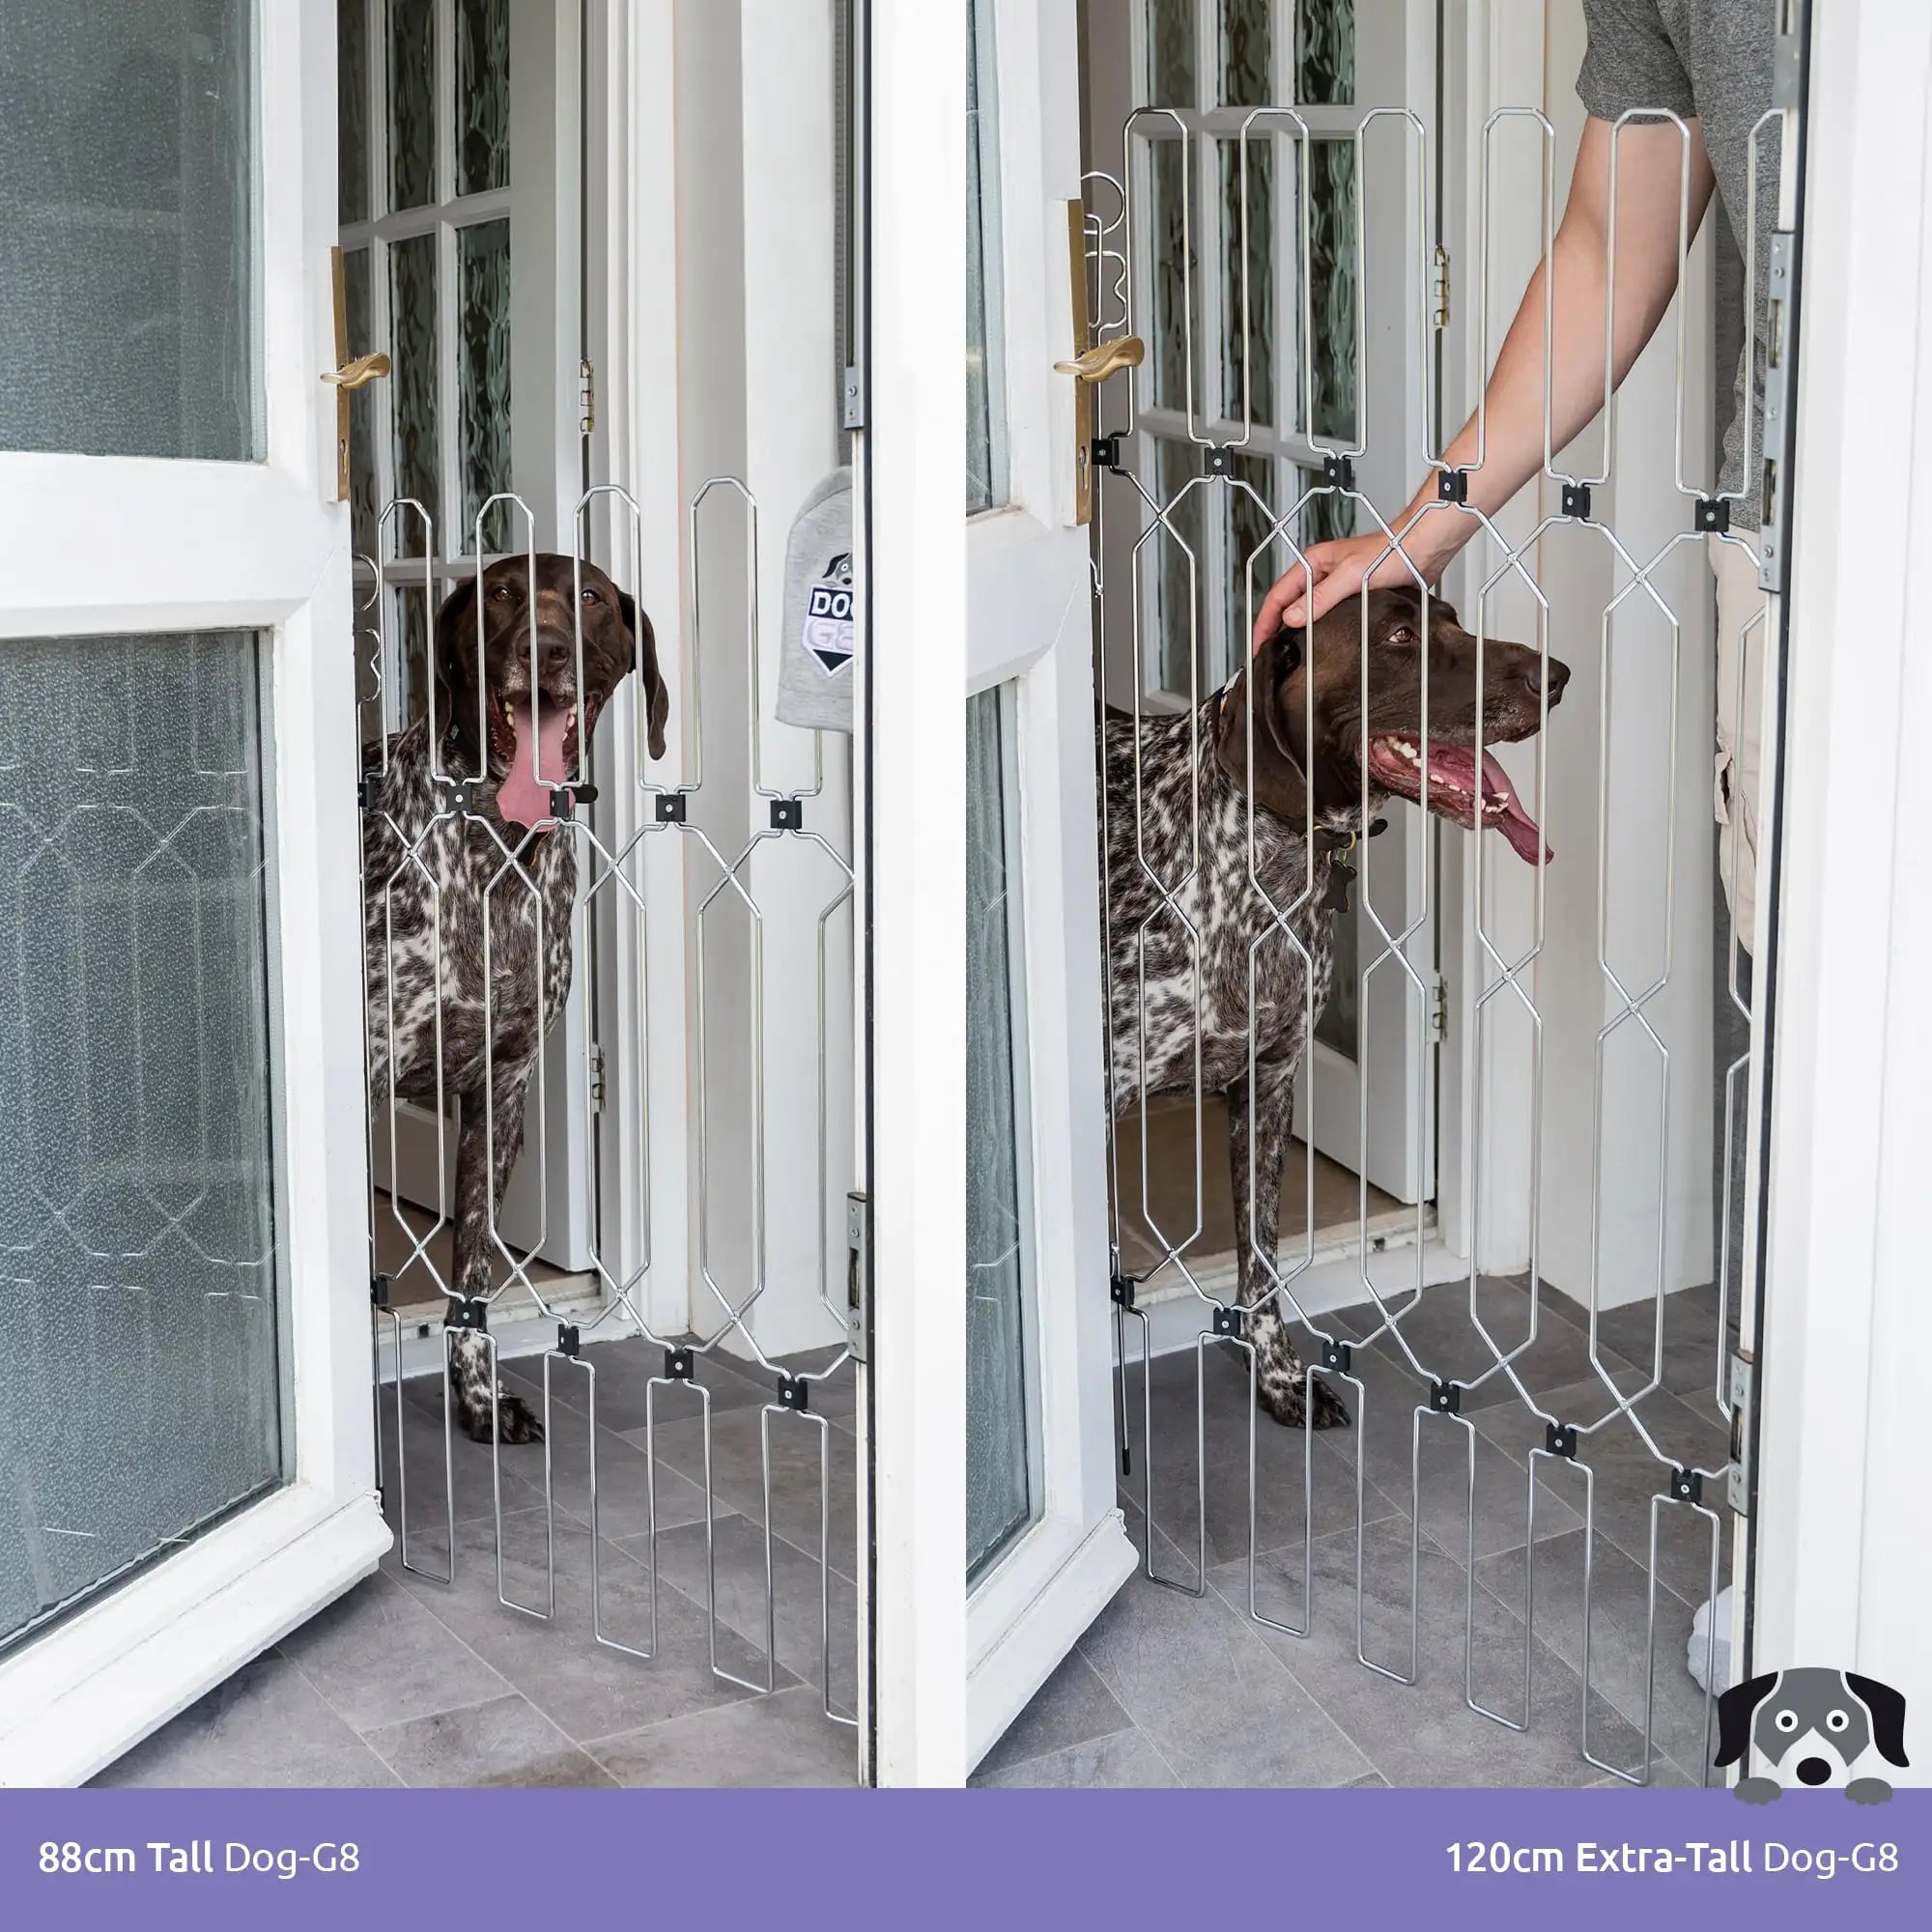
{"x": 1200, "y": 854}
{"x": 437, "y": 854}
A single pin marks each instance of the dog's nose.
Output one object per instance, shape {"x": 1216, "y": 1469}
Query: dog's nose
{"x": 1559, "y": 676}
{"x": 1814, "y": 1771}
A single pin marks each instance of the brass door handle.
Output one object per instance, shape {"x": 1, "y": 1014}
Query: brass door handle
{"x": 1096, "y": 364}
{"x": 353, "y": 375}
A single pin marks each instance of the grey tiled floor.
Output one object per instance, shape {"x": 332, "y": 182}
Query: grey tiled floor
{"x": 1170, "y": 1690}
{"x": 408, "y": 1682}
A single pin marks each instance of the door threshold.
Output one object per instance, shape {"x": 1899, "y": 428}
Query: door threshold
{"x": 519, "y": 1325}
{"x": 1220, "y": 1275}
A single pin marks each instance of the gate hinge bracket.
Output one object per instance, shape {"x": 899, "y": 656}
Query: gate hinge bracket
{"x": 795, "y": 1393}
{"x": 1106, "y": 451}
{"x": 1687, "y": 1485}
{"x": 1446, "y": 1398}
{"x": 1744, "y": 1397}
{"x": 1438, "y": 292}
{"x": 1230, "y": 1322}
{"x": 586, "y": 396}
{"x": 858, "y": 1273}
{"x": 1121, "y": 1289}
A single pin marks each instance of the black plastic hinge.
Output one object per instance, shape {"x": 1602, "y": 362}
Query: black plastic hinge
{"x": 367, "y": 789}
{"x": 1338, "y": 1356}
{"x": 1339, "y": 472}
{"x": 1714, "y": 515}
{"x": 1120, "y": 1290}
{"x": 1106, "y": 451}
{"x": 1446, "y": 1398}
{"x": 1687, "y": 1485}
{"x": 671, "y": 808}
{"x": 472, "y": 1313}
{"x": 1576, "y": 501}
{"x": 379, "y": 1289}
{"x": 794, "y": 1393}
{"x": 788, "y": 815}
{"x": 1452, "y": 486}
{"x": 680, "y": 1366}
{"x": 1230, "y": 1322}
{"x": 1217, "y": 460}
{"x": 562, "y": 802}
{"x": 1559, "y": 1439}
{"x": 567, "y": 1339}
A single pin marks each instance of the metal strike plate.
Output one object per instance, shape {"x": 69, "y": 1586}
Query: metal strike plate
{"x": 858, "y": 1274}
{"x": 1446, "y": 1398}
{"x": 567, "y": 1339}
{"x": 794, "y": 1394}
{"x": 851, "y": 399}
{"x": 1576, "y": 501}
{"x": 1230, "y": 1322}
{"x": 1338, "y": 1356}
{"x": 680, "y": 1366}
{"x": 671, "y": 808}
{"x": 1743, "y": 1389}
{"x": 1559, "y": 1439}
{"x": 788, "y": 815}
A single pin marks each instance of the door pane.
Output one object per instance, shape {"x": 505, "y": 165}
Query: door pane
{"x": 483, "y": 424}
{"x": 414, "y": 340}
{"x": 351, "y": 110}
{"x": 140, "y": 1392}
{"x": 1247, "y": 50}
{"x": 482, "y": 95}
{"x": 1325, "y": 52}
{"x": 1001, "y": 1397}
{"x": 129, "y": 322}
{"x": 986, "y": 368}
{"x": 412, "y": 102}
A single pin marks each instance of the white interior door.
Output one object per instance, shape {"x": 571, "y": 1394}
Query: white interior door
{"x": 183, "y": 1327}
{"x": 1204, "y": 68}
{"x": 1046, "y": 1546}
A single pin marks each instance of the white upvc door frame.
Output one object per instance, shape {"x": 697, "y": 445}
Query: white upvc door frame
{"x": 1843, "y": 1570}
{"x": 190, "y": 545}
{"x": 1029, "y": 624}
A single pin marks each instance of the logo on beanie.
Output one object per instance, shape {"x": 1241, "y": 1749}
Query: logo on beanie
{"x": 827, "y": 634}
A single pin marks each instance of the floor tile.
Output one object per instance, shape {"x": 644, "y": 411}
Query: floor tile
{"x": 1424, "y": 1733}
{"x": 1124, "y": 1761}
{"x": 1690, "y": 1353}
{"x": 1211, "y": 1698}
{"x": 624, "y": 1500}
{"x": 782, "y": 1740}
{"x": 266, "y": 1726}
{"x": 1072, "y": 1707}
{"x": 380, "y": 1658}
{"x": 506, "y": 1741}
{"x": 470, "y": 1472}
{"x": 588, "y": 1688}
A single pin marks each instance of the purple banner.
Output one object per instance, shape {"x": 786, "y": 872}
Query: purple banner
{"x": 1007, "y": 1861}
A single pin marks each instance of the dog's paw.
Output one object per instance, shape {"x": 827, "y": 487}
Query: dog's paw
{"x": 1869, "y": 1791}
{"x": 1759, "y": 1790}
{"x": 1286, "y": 1399}
{"x": 517, "y": 1422}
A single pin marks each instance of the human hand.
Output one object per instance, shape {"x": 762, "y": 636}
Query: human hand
{"x": 1340, "y": 568}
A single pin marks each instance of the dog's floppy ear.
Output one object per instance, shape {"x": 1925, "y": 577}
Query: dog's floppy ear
{"x": 1887, "y": 1716}
{"x": 657, "y": 699}
{"x": 1734, "y": 1716}
{"x": 453, "y": 660}
{"x": 1280, "y": 784}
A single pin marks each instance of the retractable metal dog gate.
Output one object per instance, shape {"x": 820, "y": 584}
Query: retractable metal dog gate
{"x": 607, "y": 517}
{"x": 1144, "y": 272}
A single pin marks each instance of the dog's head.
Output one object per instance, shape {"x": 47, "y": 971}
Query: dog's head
{"x": 506, "y": 657}
{"x": 1812, "y": 1726}
{"x": 1313, "y": 737}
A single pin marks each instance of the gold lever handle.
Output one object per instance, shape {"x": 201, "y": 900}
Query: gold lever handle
{"x": 353, "y": 375}
{"x": 1096, "y": 364}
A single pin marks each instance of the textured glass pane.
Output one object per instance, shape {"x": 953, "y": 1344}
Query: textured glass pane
{"x": 362, "y": 485}
{"x": 1250, "y": 521}
{"x": 412, "y": 102}
{"x": 985, "y": 399}
{"x": 1247, "y": 52}
{"x": 1331, "y": 289}
{"x": 351, "y": 110}
{"x": 407, "y": 664}
{"x": 128, "y": 299}
{"x": 1325, "y": 52}
{"x": 1000, "y": 1372}
{"x": 1326, "y": 516}
{"x": 482, "y": 95}
{"x": 412, "y": 385}
{"x": 1166, "y": 163}
{"x": 483, "y": 429}
{"x": 1177, "y": 576}
{"x": 1169, "y": 33}
{"x": 1260, "y": 305}
{"x": 139, "y": 1372}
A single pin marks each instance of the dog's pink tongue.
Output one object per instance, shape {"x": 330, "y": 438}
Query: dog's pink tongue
{"x": 524, "y": 796}
{"x": 1516, "y": 824}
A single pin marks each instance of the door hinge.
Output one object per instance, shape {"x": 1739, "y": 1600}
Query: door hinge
{"x": 1436, "y": 989}
{"x": 1439, "y": 291}
{"x": 597, "y": 1079}
{"x": 586, "y": 396}
{"x": 1743, "y": 1394}
{"x": 858, "y": 1273}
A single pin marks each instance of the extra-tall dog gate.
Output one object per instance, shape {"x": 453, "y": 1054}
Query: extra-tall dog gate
{"x": 1131, "y": 276}
{"x": 393, "y": 668}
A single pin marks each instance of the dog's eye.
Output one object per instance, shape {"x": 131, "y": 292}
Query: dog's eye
{"x": 590, "y": 594}
{"x": 1786, "y": 1721}
{"x": 500, "y": 593}
{"x": 1403, "y": 633}
{"x": 1837, "y": 1721}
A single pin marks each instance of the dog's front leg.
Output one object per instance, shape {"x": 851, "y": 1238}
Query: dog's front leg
{"x": 1258, "y": 1116}
{"x": 485, "y": 1151}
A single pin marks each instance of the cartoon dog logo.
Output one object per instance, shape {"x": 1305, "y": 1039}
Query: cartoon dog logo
{"x": 1812, "y": 1727}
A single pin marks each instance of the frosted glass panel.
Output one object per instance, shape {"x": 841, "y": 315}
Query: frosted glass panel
{"x": 351, "y": 110}
{"x": 1170, "y": 31}
{"x": 412, "y": 102}
{"x": 985, "y": 370}
{"x": 483, "y": 429}
{"x": 1325, "y": 52}
{"x": 482, "y": 95}
{"x": 1247, "y": 49}
{"x": 362, "y": 485}
{"x": 140, "y": 1387}
{"x": 413, "y": 387}
{"x": 127, "y": 281}
{"x": 1257, "y": 346}
{"x": 1001, "y": 1373}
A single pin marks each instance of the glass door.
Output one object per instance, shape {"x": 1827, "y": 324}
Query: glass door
{"x": 184, "y": 1454}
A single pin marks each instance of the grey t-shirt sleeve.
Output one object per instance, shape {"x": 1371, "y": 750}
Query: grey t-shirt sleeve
{"x": 1630, "y": 62}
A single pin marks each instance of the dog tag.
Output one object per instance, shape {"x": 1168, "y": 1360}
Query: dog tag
{"x": 1341, "y": 877}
